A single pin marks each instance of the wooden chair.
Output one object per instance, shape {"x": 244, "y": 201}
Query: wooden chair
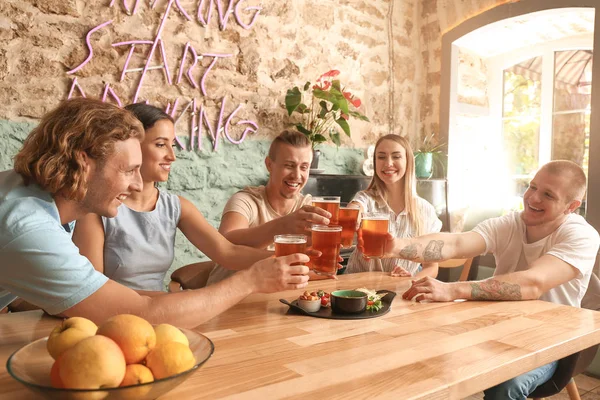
{"x": 574, "y": 364}
{"x": 457, "y": 262}
{"x": 192, "y": 276}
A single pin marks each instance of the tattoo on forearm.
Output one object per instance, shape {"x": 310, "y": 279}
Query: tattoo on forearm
{"x": 492, "y": 289}
{"x": 409, "y": 252}
{"x": 433, "y": 250}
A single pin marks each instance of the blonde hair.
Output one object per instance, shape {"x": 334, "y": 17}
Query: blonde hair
{"x": 51, "y": 154}
{"x": 377, "y": 186}
{"x": 292, "y": 138}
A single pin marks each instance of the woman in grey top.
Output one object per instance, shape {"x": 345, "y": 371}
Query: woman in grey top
{"x": 136, "y": 248}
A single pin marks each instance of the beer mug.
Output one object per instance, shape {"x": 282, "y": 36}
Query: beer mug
{"x": 348, "y": 217}
{"x": 330, "y": 204}
{"x": 327, "y": 239}
{"x": 289, "y": 244}
{"x": 374, "y": 228}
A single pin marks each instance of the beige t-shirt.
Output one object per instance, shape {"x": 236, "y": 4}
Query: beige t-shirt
{"x": 252, "y": 203}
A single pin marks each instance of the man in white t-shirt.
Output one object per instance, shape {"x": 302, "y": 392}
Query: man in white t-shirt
{"x": 254, "y": 215}
{"x": 545, "y": 252}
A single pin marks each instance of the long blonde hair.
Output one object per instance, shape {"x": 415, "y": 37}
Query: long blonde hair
{"x": 377, "y": 186}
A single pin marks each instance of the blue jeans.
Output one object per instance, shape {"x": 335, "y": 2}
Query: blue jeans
{"x": 520, "y": 387}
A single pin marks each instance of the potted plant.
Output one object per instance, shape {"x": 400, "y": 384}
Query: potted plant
{"x": 324, "y": 108}
{"x": 428, "y": 156}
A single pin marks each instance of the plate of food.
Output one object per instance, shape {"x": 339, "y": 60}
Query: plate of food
{"x": 342, "y": 304}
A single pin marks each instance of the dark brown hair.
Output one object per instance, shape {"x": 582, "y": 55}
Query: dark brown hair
{"x": 148, "y": 115}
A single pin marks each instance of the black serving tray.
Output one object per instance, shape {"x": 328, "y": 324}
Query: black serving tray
{"x": 326, "y": 312}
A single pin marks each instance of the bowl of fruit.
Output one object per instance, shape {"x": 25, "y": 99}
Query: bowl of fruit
{"x": 124, "y": 358}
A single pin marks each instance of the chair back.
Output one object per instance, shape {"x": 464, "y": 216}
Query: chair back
{"x": 457, "y": 262}
{"x": 192, "y": 276}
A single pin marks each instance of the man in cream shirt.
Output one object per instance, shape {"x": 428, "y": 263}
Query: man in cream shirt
{"x": 254, "y": 215}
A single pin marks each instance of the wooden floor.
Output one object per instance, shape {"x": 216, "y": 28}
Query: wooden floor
{"x": 589, "y": 389}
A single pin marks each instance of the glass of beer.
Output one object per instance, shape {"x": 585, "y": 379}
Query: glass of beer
{"x": 330, "y": 204}
{"x": 289, "y": 244}
{"x": 348, "y": 218}
{"x": 374, "y": 228}
{"x": 327, "y": 239}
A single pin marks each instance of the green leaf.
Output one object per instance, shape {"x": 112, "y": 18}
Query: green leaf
{"x": 303, "y": 130}
{"x": 335, "y": 138}
{"x": 325, "y": 95}
{"x": 339, "y": 100}
{"x": 293, "y": 98}
{"x": 336, "y": 85}
{"x": 306, "y": 86}
{"x": 344, "y": 125}
{"x": 302, "y": 109}
{"x": 324, "y": 109}
{"x": 318, "y": 138}
{"x": 358, "y": 115}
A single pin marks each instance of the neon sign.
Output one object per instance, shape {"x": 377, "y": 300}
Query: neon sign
{"x": 198, "y": 115}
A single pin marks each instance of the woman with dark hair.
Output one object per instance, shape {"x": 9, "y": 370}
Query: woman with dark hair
{"x": 392, "y": 191}
{"x": 137, "y": 247}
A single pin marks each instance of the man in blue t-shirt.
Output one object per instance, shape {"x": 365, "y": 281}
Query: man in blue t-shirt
{"x": 84, "y": 157}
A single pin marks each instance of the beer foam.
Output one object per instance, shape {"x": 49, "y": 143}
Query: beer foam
{"x": 286, "y": 240}
{"x": 327, "y": 228}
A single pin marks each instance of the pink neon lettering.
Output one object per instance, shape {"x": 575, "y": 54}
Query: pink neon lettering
{"x": 223, "y": 16}
{"x": 203, "y": 121}
{"x": 204, "y": 21}
{"x": 87, "y": 41}
{"x": 172, "y": 114}
{"x": 212, "y": 64}
{"x": 194, "y": 128}
{"x": 73, "y": 85}
{"x": 108, "y": 90}
{"x": 164, "y": 58}
{"x": 188, "y": 47}
{"x": 160, "y": 28}
{"x": 236, "y": 13}
{"x": 185, "y": 14}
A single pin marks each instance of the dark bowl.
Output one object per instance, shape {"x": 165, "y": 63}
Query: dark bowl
{"x": 31, "y": 365}
{"x": 348, "y": 301}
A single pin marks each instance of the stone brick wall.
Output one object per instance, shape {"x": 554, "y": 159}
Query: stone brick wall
{"x": 373, "y": 43}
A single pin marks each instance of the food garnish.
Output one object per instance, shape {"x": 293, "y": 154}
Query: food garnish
{"x": 374, "y": 303}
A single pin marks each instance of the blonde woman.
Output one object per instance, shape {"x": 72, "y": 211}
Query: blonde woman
{"x": 392, "y": 191}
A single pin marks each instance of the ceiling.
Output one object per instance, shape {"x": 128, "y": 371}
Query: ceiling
{"x": 528, "y": 30}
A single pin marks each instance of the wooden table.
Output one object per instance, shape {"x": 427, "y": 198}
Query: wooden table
{"x": 433, "y": 351}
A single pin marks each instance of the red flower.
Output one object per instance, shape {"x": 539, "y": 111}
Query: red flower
{"x": 329, "y": 74}
{"x": 354, "y": 100}
{"x": 322, "y": 85}
{"x": 345, "y": 116}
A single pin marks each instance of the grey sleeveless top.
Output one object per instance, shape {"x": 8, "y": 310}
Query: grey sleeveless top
{"x": 139, "y": 246}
